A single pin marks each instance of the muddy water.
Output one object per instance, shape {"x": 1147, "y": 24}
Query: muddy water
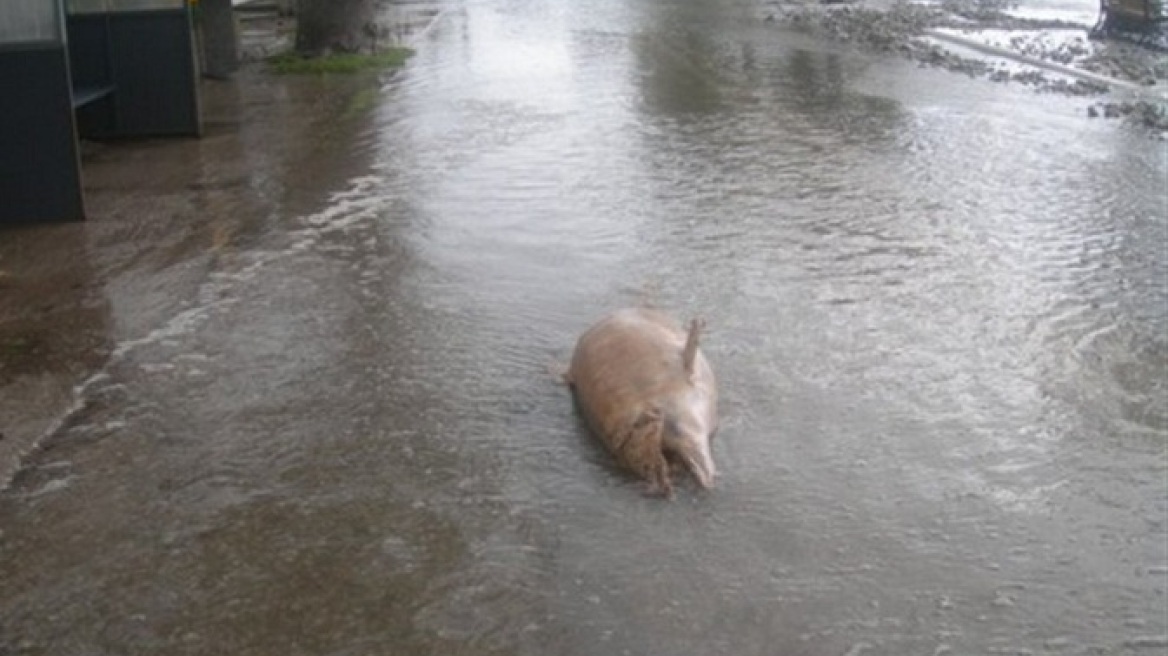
{"x": 937, "y": 307}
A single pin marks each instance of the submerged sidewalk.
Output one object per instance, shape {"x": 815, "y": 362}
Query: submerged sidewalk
{"x": 163, "y": 214}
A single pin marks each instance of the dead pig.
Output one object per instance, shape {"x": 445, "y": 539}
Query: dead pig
{"x": 648, "y": 393}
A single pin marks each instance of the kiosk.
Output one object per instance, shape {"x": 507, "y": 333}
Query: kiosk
{"x": 96, "y": 69}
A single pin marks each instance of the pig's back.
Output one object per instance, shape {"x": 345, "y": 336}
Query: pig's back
{"x": 624, "y": 362}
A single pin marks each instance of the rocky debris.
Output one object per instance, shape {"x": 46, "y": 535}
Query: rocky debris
{"x": 885, "y": 31}
{"x": 901, "y": 29}
{"x": 1127, "y": 62}
{"x": 1112, "y": 58}
{"x": 1141, "y": 112}
{"x": 993, "y": 14}
{"x": 1067, "y": 52}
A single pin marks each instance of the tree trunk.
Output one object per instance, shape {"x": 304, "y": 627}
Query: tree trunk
{"x": 324, "y": 26}
{"x": 220, "y": 49}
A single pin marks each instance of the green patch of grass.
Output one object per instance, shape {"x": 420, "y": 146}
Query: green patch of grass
{"x": 344, "y": 63}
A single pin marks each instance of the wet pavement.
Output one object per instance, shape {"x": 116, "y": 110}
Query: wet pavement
{"x": 312, "y": 411}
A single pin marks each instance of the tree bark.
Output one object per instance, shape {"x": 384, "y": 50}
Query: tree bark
{"x": 325, "y": 26}
{"x": 220, "y": 49}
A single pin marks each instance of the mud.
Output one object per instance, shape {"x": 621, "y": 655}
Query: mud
{"x": 1151, "y": 115}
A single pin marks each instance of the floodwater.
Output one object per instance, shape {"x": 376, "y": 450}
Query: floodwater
{"x": 314, "y": 413}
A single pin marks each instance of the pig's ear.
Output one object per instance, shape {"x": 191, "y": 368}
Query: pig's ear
{"x": 691, "y": 345}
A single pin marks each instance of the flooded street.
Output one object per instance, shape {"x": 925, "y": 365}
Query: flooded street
{"x": 314, "y": 415}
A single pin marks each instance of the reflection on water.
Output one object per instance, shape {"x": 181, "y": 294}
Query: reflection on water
{"x": 937, "y": 311}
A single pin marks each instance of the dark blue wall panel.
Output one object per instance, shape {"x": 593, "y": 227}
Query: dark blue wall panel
{"x": 40, "y": 178}
{"x": 149, "y": 58}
